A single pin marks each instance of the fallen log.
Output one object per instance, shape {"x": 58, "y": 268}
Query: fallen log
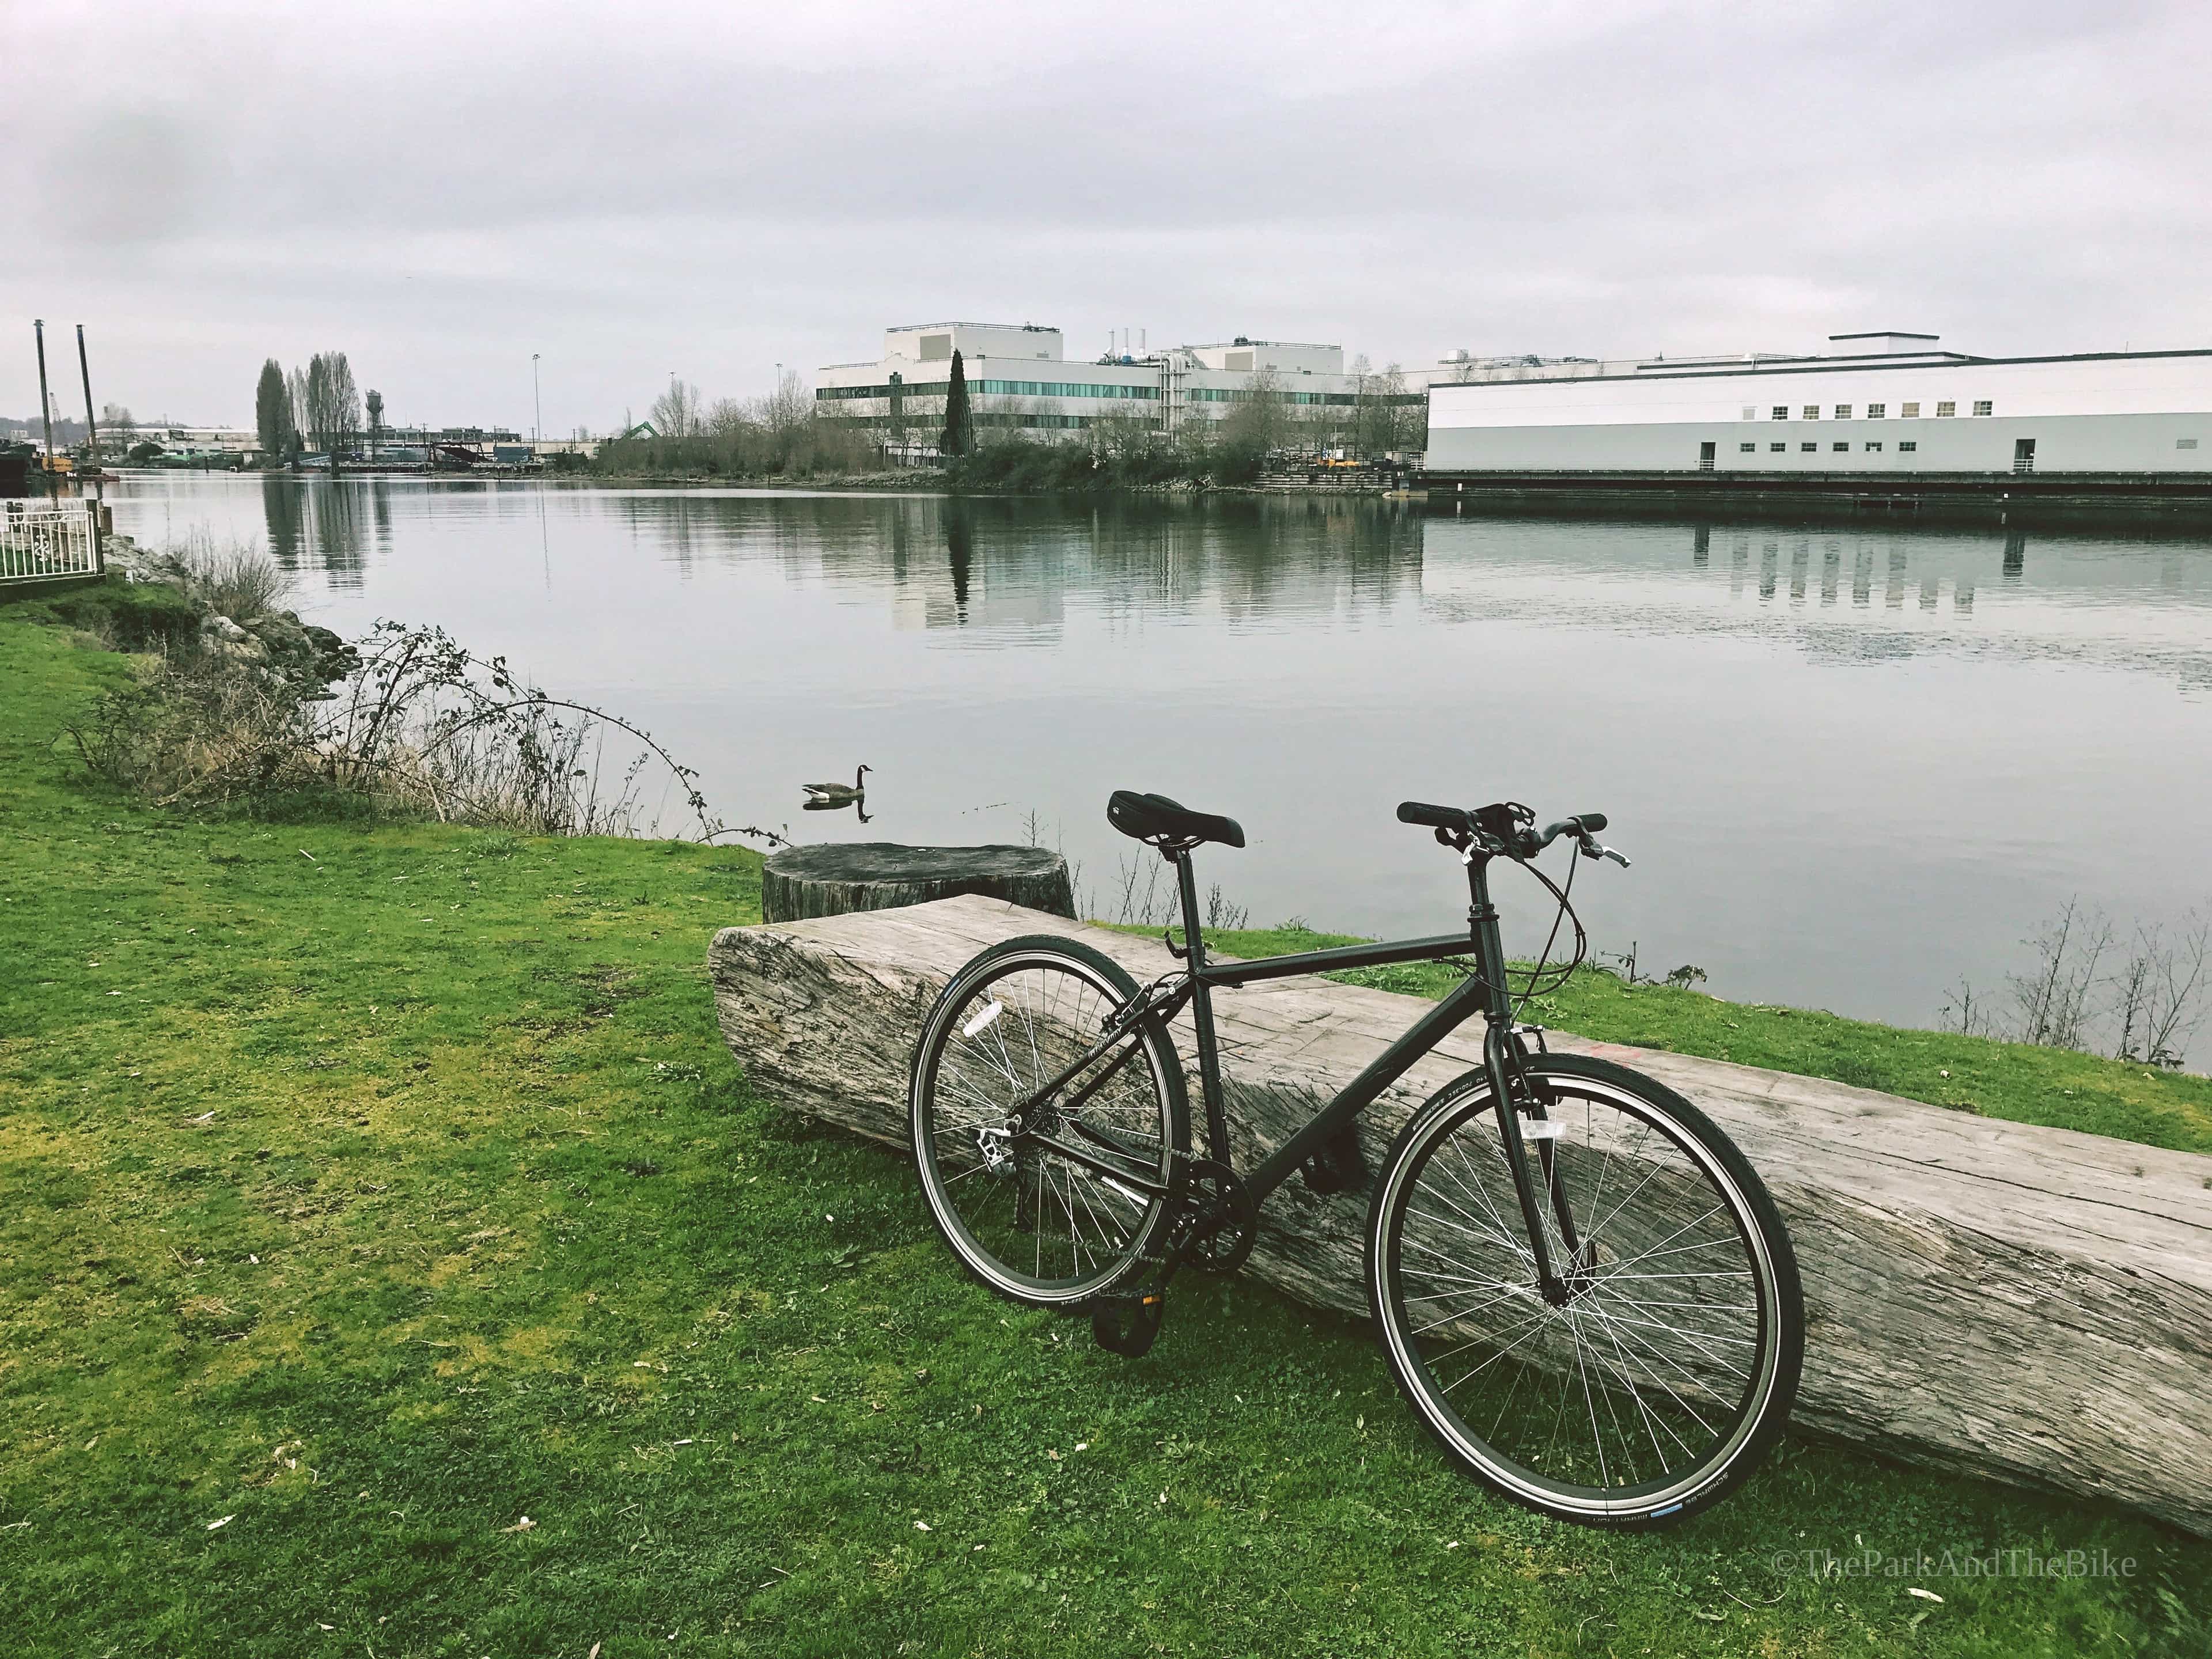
{"x": 2029, "y": 1304}
{"x": 834, "y": 879}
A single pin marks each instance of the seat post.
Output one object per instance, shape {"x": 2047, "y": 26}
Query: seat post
{"x": 1201, "y": 1011}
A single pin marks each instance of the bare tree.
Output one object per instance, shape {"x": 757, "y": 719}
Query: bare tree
{"x": 117, "y": 418}
{"x": 789, "y": 410}
{"x": 2160, "y": 991}
{"x": 1392, "y": 416}
{"x": 2055, "y": 1001}
{"x": 726, "y": 419}
{"x": 1123, "y": 435}
{"x": 1260, "y": 422}
{"x": 1147, "y": 899}
{"x": 677, "y": 412}
{"x": 1967, "y": 1011}
{"x": 333, "y": 402}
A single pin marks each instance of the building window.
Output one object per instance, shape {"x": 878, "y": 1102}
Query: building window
{"x": 1780, "y": 413}
{"x": 1778, "y": 449}
{"x": 1875, "y": 446}
{"x": 1985, "y": 407}
{"x": 1876, "y": 411}
{"x": 1843, "y": 448}
{"x": 1753, "y": 449}
{"x": 1810, "y": 449}
{"x": 1946, "y": 409}
{"x": 1811, "y": 411}
{"x": 1749, "y": 413}
{"x": 1843, "y": 411}
{"x": 1907, "y": 447}
{"x": 1909, "y": 411}
{"x": 2185, "y": 443}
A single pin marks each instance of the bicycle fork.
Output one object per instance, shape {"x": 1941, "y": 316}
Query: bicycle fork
{"x": 1504, "y": 1060}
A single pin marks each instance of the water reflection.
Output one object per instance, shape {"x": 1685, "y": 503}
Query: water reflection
{"x": 959, "y": 550}
{"x": 2135, "y": 602}
{"x": 317, "y": 526}
{"x": 1855, "y": 759}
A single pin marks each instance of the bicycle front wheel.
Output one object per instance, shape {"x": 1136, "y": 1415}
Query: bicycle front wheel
{"x": 1032, "y": 1223}
{"x": 1662, "y": 1368}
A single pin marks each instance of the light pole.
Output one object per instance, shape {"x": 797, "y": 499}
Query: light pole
{"x": 537, "y": 404}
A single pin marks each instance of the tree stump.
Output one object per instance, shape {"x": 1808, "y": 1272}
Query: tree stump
{"x": 2029, "y": 1304}
{"x": 837, "y": 879}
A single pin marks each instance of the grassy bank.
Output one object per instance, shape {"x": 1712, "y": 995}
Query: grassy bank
{"x": 364, "y": 1192}
{"x": 2010, "y": 1080}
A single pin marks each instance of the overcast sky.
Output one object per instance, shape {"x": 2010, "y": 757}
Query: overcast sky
{"x": 442, "y": 190}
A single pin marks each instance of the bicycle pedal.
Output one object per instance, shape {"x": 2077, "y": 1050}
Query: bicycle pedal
{"x": 1338, "y": 1166}
{"x": 1128, "y": 1325}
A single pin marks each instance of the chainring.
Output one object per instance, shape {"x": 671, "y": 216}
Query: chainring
{"x": 1226, "y": 1221}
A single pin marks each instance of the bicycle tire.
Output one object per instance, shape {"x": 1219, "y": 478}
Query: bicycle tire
{"x": 1625, "y": 1306}
{"x": 1053, "y": 993}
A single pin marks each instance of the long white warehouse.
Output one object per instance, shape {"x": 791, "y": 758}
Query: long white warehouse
{"x": 1885, "y": 404}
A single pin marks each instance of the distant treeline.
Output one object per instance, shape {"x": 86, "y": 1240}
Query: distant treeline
{"x": 786, "y": 436}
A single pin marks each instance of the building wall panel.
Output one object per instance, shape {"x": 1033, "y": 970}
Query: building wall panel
{"x": 2142, "y": 413}
{"x": 2080, "y": 443}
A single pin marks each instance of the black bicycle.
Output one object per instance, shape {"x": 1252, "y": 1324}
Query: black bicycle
{"x": 1583, "y": 1288}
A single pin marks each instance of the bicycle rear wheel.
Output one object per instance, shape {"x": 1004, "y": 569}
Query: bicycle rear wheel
{"x": 1665, "y": 1368}
{"x": 1034, "y": 1225}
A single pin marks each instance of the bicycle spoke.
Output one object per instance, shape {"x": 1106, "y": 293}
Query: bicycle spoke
{"x": 1634, "y": 1372}
{"x": 1033, "y": 1221}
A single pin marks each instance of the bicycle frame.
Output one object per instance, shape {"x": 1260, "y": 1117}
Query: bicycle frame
{"x": 1484, "y": 993}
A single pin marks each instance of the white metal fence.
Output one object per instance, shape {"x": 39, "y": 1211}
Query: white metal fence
{"x": 43, "y": 539}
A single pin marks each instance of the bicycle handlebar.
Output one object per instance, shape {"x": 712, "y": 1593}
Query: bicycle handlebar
{"x": 1434, "y": 817}
{"x": 1583, "y": 823}
{"x": 1488, "y": 822}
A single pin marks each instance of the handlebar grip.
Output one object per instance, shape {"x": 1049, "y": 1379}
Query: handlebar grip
{"x": 1436, "y": 818}
{"x": 1587, "y": 824}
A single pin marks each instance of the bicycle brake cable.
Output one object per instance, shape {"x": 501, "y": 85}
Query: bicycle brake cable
{"x": 1536, "y": 984}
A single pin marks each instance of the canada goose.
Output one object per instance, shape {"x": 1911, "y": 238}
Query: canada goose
{"x": 837, "y": 794}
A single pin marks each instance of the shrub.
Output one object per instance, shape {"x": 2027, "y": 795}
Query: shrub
{"x": 418, "y": 727}
{"x": 236, "y": 581}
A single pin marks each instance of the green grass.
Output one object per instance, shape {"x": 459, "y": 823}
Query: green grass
{"x": 2010, "y": 1080}
{"x": 368, "y": 1189}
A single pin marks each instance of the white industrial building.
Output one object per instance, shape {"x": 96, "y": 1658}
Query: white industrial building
{"x": 1882, "y": 403}
{"x": 1018, "y": 377}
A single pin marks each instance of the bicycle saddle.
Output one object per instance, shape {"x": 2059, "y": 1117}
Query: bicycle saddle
{"x": 1157, "y": 818}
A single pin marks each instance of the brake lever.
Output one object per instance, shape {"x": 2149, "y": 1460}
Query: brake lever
{"x": 1593, "y": 848}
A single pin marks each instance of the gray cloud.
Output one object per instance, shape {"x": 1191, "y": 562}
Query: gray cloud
{"x": 454, "y": 188}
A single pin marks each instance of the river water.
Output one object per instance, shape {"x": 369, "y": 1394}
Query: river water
{"x": 1853, "y": 763}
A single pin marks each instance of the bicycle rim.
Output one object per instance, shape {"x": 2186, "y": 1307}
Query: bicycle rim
{"x": 1033, "y": 1224}
{"x": 1651, "y": 1388}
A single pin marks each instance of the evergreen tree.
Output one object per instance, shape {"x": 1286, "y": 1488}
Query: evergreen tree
{"x": 959, "y": 425}
{"x": 272, "y": 413}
